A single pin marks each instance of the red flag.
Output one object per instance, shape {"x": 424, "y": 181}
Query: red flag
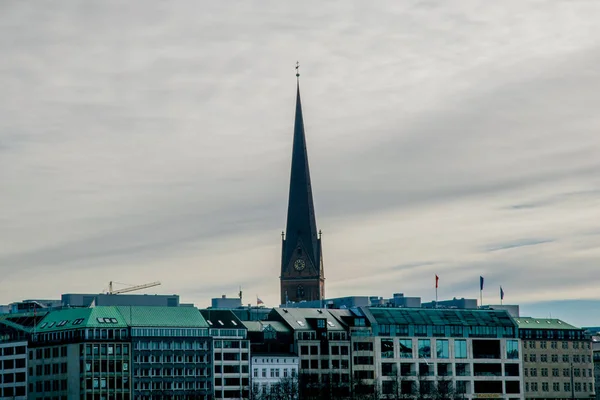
{"x": 259, "y": 301}
{"x": 437, "y": 278}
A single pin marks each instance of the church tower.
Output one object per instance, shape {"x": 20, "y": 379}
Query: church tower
{"x": 302, "y": 276}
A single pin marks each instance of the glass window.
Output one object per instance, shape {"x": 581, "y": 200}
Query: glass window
{"x": 512, "y": 349}
{"x": 424, "y": 348}
{"x": 460, "y": 349}
{"x": 387, "y": 348}
{"x": 441, "y": 347}
{"x": 406, "y": 348}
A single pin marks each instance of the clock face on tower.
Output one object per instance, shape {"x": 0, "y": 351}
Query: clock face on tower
{"x": 299, "y": 265}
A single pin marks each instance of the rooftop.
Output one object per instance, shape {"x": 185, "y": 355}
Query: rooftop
{"x": 224, "y": 319}
{"x": 432, "y": 316}
{"x": 542, "y": 323}
{"x": 301, "y": 318}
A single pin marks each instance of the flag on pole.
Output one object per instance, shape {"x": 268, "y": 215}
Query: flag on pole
{"x": 481, "y": 283}
{"x": 437, "y": 278}
{"x": 259, "y": 301}
{"x": 501, "y": 293}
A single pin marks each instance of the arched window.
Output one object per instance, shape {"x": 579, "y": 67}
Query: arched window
{"x": 300, "y": 291}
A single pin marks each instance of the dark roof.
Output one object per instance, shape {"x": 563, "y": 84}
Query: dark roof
{"x": 301, "y": 222}
{"x": 222, "y": 319}
{"x": 429, "y": 316}
{"x": 259, "y": 326}
{"x": 299, "y": 319}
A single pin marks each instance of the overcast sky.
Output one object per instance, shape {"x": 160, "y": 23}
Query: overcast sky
{"x": 150, "y": 140}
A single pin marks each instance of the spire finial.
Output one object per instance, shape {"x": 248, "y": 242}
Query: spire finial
{"x": 297, "y": 70}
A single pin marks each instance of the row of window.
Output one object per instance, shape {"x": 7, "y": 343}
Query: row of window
{"x": 11, "y": 377}
{"x": 312, "y": 335}
{"x": 15, "y": 363}
{"x": 446, "y": 331}
{"x": 49, "y": 369}
{"x": 102, "y": 383}
{"x": 159, "y": 386}
{"x": 442, "y": 348}
{"x": 335, "y": 350}
{"x": 82, "y": 334}
{"x": 231, "y": 344}
{"x": 231, "y": 369}
{"x": 11, "y": 351}
{"x": 232, "y": 382}
{"x": 169, "y": 332}
{"x": 556, "y": 372}
{"x": 559, "y": 334}
{"x": 165, "y": 372}
{"x": 554, "y": 358}
{"x": 105, "y": 366}
{"x": 231, "y": 356}
{"x": 172, "y": 345}
{"x": 169, "y": 358}
{"x": 104, "y": 350}
{"x": 275, "y": 372}
{"x": 545, "y": 387}
{"x": 48, "y": 352}
{"x": 48, "y": 386}
{"x": 554, "y": 345}
{"x": 324, "y": 364}
{"x": 10, "y": 391}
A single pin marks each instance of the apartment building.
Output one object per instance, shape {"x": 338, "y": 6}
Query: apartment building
{"x": 231, "y": 354}
{"x": 274, "y": 375}
{"x": 557, "y": 359}
{"x": 472, "y": 353}
{"x": 323, "y": 346}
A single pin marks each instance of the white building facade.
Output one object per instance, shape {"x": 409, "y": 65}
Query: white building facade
{"x": 271, "y": 370}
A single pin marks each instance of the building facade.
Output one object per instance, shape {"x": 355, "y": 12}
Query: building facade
{"x": 13, "y": 370}
{"x": 557, "y": 359}
{"x": 231, "y": 354}
{"x": 418, "y": 352}
{"x": 302, "y": 275}
{"x": 274, "y": 375}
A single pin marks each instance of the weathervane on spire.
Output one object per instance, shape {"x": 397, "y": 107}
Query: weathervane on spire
{"x": 297, "y": 70}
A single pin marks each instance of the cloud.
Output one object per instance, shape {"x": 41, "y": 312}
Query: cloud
{"x": 154, "y": 143}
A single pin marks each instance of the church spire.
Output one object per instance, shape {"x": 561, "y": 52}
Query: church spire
{"x": 301, "y": 240}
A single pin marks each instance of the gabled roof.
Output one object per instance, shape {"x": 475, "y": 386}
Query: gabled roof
{"x": 222, "y": 319}
{"x": 432, "y": 316}
{"x": 260, "y": 326}
{"x": 301, "y": 319}
{"x": 543, "y": 323}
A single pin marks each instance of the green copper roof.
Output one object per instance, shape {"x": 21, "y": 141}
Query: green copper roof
{"x": 431, "y": 316}
{"x": 121, "y": 317}
{"x": 177, "y": 317}
{"x": 74, "y": 318}
{"x": 542, "y": 323}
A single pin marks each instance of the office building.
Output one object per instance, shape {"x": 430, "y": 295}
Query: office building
{"x": 231, "y": 354}
{"x": 557, "y": 359}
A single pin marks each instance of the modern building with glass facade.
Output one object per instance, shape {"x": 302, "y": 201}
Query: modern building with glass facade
{"x": 557, "y": 359}
{"x": 470, "y": 353}
{"x": 110, "y": 352}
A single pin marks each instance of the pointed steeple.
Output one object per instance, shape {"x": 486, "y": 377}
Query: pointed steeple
{"x": 301, "y": 229}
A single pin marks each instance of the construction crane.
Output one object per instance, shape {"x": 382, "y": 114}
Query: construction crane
{"x": 130, "y": 289}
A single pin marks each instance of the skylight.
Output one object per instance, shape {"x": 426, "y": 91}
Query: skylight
{"x": 209, "y": 322}
{"x": 100, "y": 320}
{"x": 233, "y": 322}
{"x": 43, "y": 325}
{"x": 51, "y": 324}
{"x": 330, "y": 324}
{"x": 113, "y": 320}
{"x": 300, "y": 323}
{"x": 221, "y": 322}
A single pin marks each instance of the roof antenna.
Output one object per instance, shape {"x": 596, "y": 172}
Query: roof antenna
{"x": 298, "y": 71}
